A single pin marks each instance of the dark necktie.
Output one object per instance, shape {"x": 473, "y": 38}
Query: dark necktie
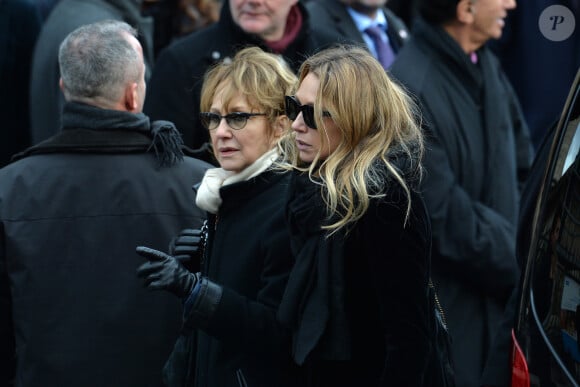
{"x": 385, "y": 53}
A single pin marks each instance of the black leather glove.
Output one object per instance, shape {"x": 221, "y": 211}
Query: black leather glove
{"x": 163, "y": 271}
{"x": 187, "y": 245}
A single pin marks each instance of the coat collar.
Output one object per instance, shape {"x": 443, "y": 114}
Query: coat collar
{"x": 89, "y": 129}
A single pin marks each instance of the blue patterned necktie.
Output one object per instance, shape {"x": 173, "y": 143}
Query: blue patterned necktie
{"x": 385, "y": 53}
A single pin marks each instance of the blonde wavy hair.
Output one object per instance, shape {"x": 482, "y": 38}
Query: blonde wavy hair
{"x": 377, "y": 119}
{"x": 262, "y": 78}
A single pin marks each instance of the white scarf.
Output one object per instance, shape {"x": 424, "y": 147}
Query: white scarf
{"x": 208, "y": 195}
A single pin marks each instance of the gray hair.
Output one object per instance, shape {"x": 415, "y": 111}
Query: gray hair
{"x": 97, "y": 60}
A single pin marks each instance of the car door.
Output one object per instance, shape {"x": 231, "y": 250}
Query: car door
{"x": 547, "y": 326}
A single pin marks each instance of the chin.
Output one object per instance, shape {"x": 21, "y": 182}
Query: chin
{"x": 305, "y": 157}
{"x": 228, "y": 165}
{"x": 252, "y": 26}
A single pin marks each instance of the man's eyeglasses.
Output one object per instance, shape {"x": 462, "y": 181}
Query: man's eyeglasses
{"x": 236, "y": 121}
{"x": 293, "y": 108}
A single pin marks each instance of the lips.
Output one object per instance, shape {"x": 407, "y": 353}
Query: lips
{"x": 250, "y": 14}
{"x": 302, "y": 145}
{"x": 227, "y": 150}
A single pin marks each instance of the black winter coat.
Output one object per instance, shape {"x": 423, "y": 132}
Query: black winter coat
{"x": 239, "y": 341}
{"x": 478, "y": 155}
{"x": 173, "y": 92}
{"x": 71, "y": 215}
{"x": 359, "y": 302}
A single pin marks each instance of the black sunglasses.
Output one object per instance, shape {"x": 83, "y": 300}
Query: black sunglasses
{"x": 293, "y": 108}
{"x": 236, "y": 121}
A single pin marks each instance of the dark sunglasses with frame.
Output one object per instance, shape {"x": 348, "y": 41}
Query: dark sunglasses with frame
{"x": 236, "y": 120}
{"x": 293, "y": 108}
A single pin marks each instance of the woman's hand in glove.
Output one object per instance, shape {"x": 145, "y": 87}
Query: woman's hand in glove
{"x": 162, "y": 271}
{"x": 187, "y": 246}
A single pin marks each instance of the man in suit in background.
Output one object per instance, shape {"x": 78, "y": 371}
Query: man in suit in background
{"x": 351, "y": 19}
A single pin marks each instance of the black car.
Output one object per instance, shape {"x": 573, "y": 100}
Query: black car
{"x": 546, "y": 350}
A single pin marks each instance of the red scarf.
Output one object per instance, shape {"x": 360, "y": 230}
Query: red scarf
{"x": 293, "y": 25}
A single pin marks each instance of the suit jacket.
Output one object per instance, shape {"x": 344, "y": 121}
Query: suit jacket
{"x": 332, "y": 16}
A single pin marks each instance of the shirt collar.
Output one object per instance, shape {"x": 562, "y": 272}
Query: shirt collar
{"x": 363, "y": 21}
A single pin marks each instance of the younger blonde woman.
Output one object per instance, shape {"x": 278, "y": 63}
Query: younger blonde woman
{"x": 357, "y": 299}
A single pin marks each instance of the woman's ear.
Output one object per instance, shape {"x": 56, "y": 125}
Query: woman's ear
{"x": 281, "y": 126}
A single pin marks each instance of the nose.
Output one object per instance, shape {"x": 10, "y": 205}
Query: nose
{"x": 298, "y": 124}
{"x": 223, "y": 129}
{"x": 253, "y": 3}
{"x": 510, "y": 4}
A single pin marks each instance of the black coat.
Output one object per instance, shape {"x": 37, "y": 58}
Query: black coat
{"x": 173, "y": 92}
{"x": 478, "y": 155}
{"x": 247, "y": 262}
{"x": 359, "y": 302}
{"x": 71, "y": 214}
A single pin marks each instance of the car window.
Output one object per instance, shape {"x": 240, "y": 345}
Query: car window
{"x": 573, "y": 151}
{"x": 555, "y": 252}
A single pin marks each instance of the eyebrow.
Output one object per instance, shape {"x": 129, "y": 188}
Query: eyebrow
{"x": 236, "y": 108}
{"x": 300, "y": 102}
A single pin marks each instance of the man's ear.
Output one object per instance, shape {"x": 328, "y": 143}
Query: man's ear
{"x": 61, "y": 84}
{"x": 131, "y": 97}
{"x": 465, "y": 11}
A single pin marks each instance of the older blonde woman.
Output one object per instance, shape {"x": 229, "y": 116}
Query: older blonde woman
{"x": 231, "y": 304}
